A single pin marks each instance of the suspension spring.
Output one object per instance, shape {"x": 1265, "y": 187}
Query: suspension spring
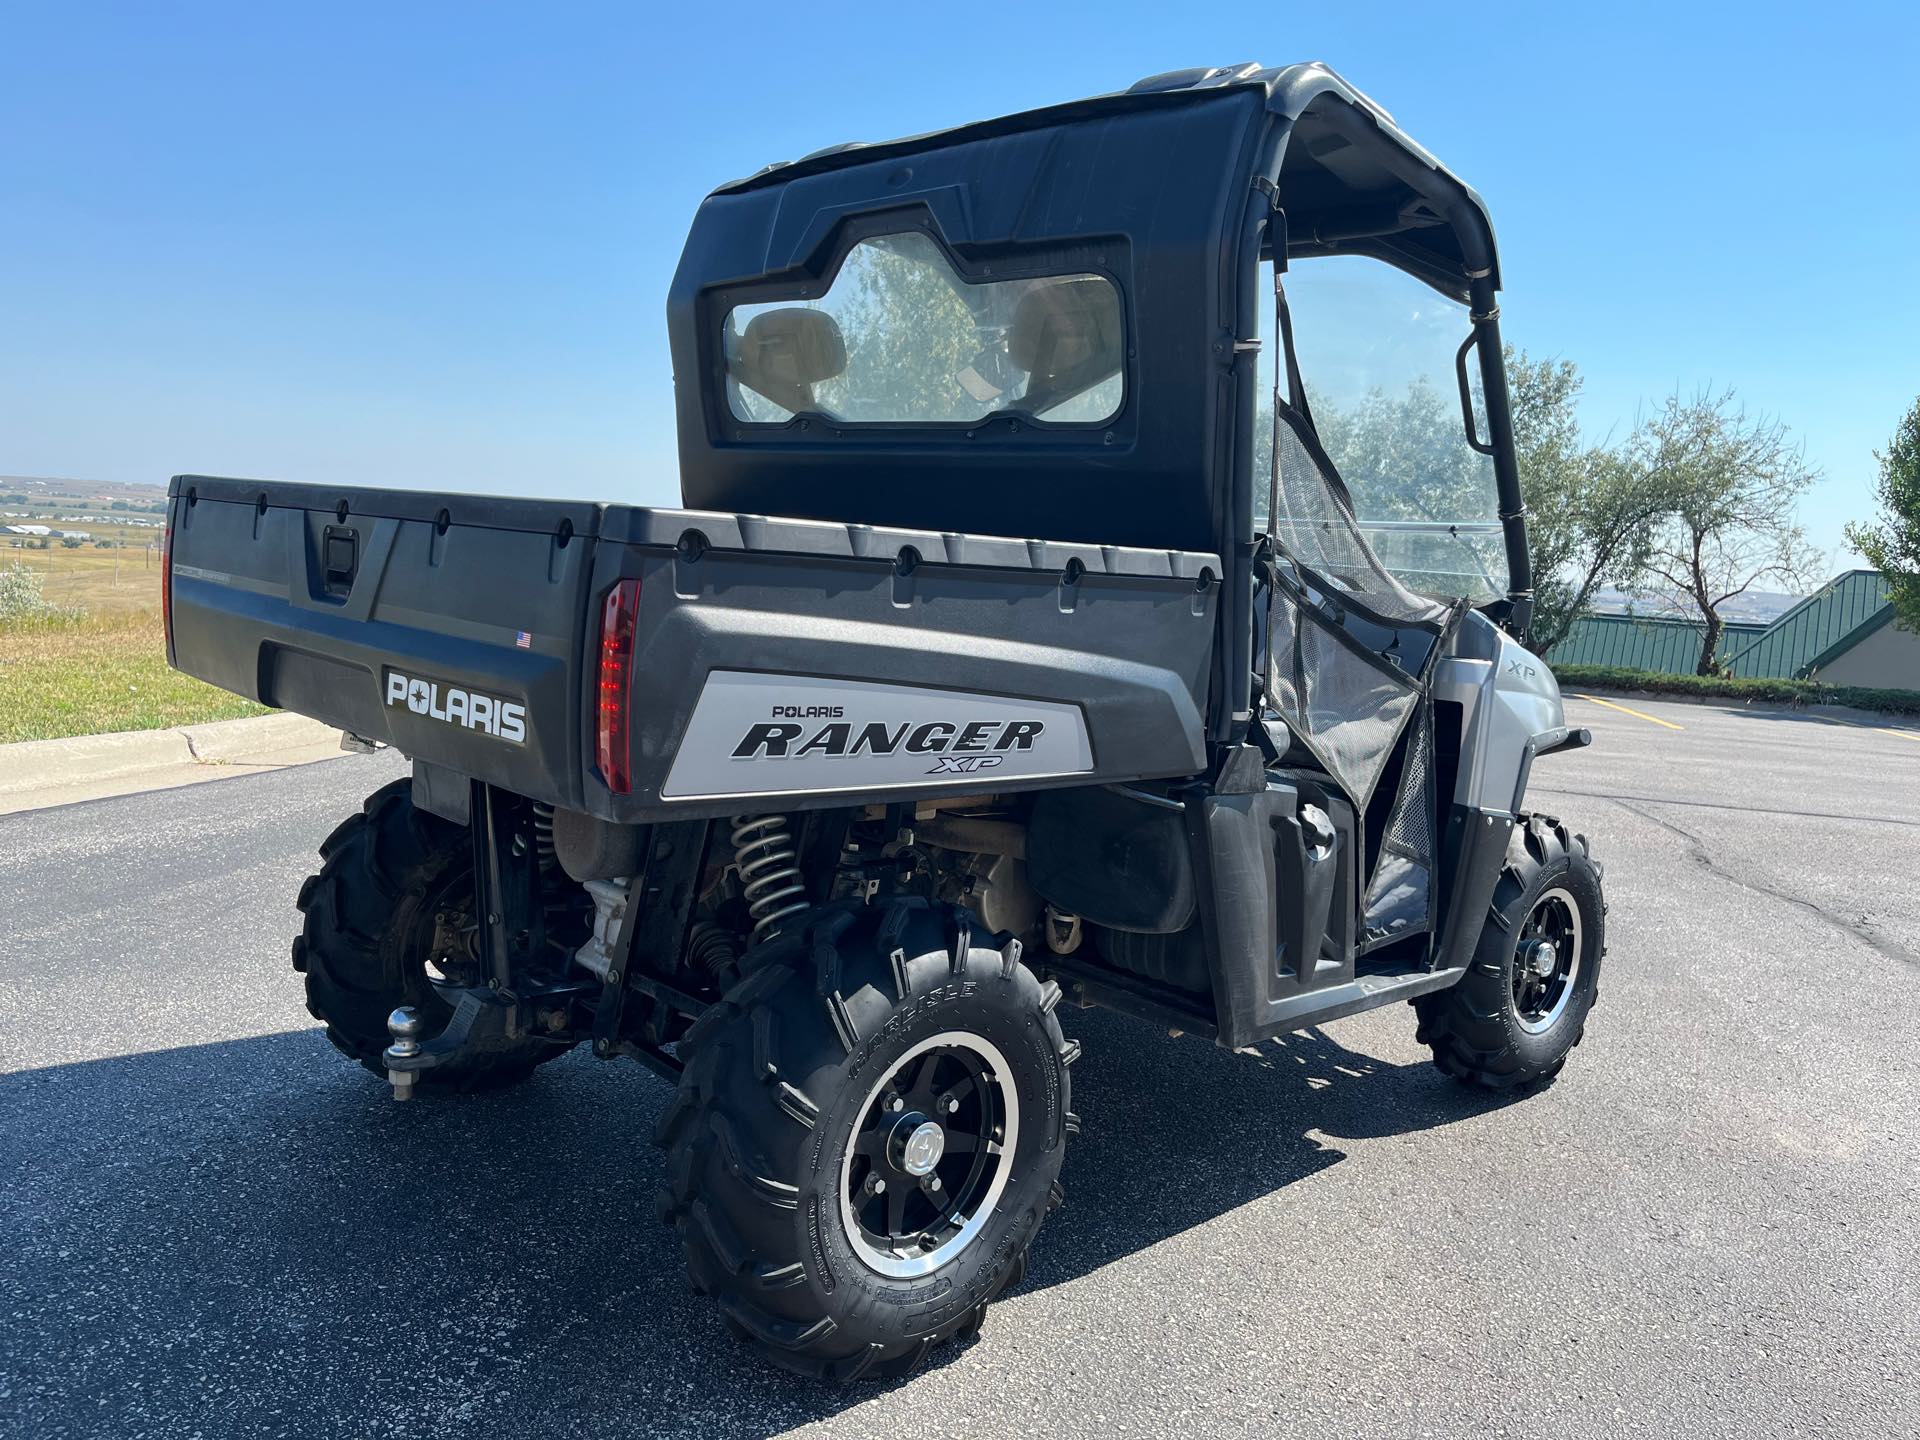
{"x": 773, "y": 886}
{"x": 543, "y": 834}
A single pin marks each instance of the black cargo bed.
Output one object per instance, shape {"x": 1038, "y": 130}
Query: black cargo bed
{"x": 463, "y": 630}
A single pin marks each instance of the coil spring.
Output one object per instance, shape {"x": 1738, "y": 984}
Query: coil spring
{"x": 771, "y": 881}
{"x": 543, "y": 834}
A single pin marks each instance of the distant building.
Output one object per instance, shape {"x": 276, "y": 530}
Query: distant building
{"x": 1843, "y": 634}
{"x": 1659, "y": 643}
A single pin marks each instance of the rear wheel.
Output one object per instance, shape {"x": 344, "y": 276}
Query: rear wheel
{"x": 868, "y": 1134}
{"x": 388, "y": 922}
{"x": 1535, "y": 974}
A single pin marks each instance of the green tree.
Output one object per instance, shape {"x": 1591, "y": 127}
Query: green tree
{"x": 1730, "y": 484}
{"x": 1893, "y": 546}
{"x": 908, "y": 332}
{"x": 1590, "y": 514}
{"x": 1404, "y": 457}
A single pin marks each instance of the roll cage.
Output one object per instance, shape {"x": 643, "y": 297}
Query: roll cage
{"x": 1175, "y": 190}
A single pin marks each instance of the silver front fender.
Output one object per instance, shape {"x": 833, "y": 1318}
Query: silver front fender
{"x": 1510, "y": 712}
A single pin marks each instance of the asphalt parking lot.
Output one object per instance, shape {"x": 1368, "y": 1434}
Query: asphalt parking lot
{"x": 1710, "y": 1225}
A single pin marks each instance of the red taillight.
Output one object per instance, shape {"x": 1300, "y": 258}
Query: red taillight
{"x": 166, "y": 584}
{"x": 613, "y": 726}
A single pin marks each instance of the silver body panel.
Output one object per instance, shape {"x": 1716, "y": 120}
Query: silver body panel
{"x": 1510, "y": 710}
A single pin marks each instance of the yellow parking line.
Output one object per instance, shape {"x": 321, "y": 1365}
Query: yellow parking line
{"x": 1626, "y": 710}
{"x": 1913, "y": 735}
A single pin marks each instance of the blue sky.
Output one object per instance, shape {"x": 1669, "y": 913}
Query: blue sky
{"x": 430, "y": 244}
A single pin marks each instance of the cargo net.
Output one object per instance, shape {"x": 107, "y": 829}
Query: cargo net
{"x": 1400, "y": 898}
{"x": 1312, "y": 522}
{"x": 1345, "y": 707}
{"x": 1346, "y": 703}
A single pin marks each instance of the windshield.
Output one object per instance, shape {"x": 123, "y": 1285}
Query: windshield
{"x": 901, "y": 338}
{"x": 1376, "y": 350}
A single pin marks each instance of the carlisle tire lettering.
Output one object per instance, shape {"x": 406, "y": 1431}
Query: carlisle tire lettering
{"x": 452, "y": 705}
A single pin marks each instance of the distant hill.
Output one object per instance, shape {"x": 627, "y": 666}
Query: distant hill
{"x": 1760, "y": 607}
{"x": 62, "y": 490}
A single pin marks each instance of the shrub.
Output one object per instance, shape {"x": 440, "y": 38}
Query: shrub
{"x": 1779, "y": 692}
{"x": 20, "y": 593}
{"x": 22, "y": 605}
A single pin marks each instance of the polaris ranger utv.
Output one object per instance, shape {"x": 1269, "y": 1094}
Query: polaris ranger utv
{"x": 1043, "y": 625}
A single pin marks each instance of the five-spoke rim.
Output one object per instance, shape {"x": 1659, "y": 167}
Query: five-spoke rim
{"x": 930, "y": 1153}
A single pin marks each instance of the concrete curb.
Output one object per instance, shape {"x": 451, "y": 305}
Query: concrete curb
{"x": 38, "y": 773}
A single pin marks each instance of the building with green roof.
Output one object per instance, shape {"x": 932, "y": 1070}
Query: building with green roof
{"x": 1819, "y": 637}
{"x": 1844, "y": 634}
{"x": 1664, "y": 644}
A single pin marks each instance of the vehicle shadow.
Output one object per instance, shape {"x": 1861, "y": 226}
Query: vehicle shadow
{"x": 250, "y": 1237}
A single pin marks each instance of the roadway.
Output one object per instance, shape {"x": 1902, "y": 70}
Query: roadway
{"x": 1707, "y": 1226}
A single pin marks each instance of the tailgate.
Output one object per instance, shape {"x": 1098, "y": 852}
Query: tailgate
{"x": 448, "y": 626}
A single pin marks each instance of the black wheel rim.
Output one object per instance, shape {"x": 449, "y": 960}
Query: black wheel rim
{"x": 1546, "y": 962}
{"x": 929, "y": 1154}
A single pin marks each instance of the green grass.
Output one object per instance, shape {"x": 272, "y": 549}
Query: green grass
{"x": 1778, "y": 692}
{"x": 93, "y": 674}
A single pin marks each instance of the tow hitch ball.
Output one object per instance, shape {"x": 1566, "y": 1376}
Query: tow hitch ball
{"x": 481, "y": 1023}
{"x": 405, "y": 1025}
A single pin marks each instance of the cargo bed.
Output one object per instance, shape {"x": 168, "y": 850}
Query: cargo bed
{"x": 814, "y": 661}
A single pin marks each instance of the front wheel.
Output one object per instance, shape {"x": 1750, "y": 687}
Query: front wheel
{"x": 867, "y": 1136}
{"x": 1535, "y": 974}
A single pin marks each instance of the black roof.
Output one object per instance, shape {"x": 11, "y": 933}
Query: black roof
{"x": 1292, "y": 94}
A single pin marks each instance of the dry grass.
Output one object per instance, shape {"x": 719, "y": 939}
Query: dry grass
{"x": 101, "y": 582}
{"x": 99, "y": 673}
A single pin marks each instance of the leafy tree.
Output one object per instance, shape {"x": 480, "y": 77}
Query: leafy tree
{"x": 909, "y": 335}
{"x": 1730, "y": 483}
{"x": 1893, "y": 546}
{"x": 1590, "y": 514}
{"x": 1405, "y": 457}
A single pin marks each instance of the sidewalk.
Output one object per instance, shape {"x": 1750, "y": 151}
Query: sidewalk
{"x": 35, "y": 774}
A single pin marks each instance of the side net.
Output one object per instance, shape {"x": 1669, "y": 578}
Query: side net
{"x": 1400, "y": 898}
{"x": 1313, "y": 523}
{"x": 1330, "y": 603}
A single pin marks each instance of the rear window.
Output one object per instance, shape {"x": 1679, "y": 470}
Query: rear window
{"x": 901, "y": 338}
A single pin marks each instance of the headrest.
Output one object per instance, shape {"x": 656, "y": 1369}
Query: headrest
{"x": 1066, "y": 335}
{"x": 783, "y": 354}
